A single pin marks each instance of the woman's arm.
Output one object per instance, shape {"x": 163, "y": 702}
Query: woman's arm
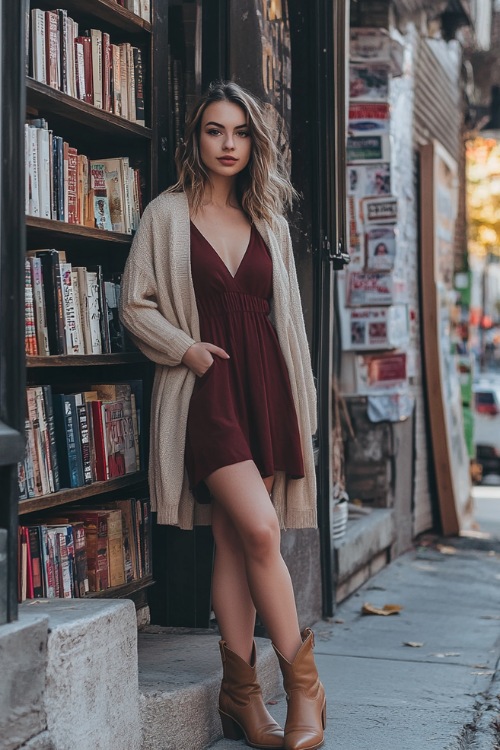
{"x": 155, "y": 336}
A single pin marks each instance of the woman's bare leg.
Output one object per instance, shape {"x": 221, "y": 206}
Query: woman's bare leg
{"x": 243, "y": 496}
{"x": 231, "y": 598}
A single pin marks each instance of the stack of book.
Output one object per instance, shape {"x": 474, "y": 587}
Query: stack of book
{"x": 85, "y": 549}
{"x": 71, "y": 310}
{"x": 78, "y": 438}
{"x": 86, "y": 65}
{"x": 141, "y": 8}
{"x": 63, "y": 185}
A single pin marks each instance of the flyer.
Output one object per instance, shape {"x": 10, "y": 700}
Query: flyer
{"x": 368, "y": 148}
{"x": 381, "y": 372}
{"x": 370, "y": 288}
{"x": 369, "y": 45}
{"x": 369, "y": 82}
{"x": 368, "y": 118}
{"x": 372, "y": 328}
{"x": 379, "y": 210}
{"x": 381, "y": 247}
{"x": 365, "y": 180}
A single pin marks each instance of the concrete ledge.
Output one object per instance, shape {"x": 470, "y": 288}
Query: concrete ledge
{"x": 91, "y": 688}
{"x": 179, "y": 680}
{"x": 23, "y": 661}
{"x": 365, "y": 539}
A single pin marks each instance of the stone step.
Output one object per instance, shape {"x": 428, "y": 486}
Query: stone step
{"x": 179, "y": 679}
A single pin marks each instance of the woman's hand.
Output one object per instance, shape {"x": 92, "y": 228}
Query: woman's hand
{"x": 199, "y": 357}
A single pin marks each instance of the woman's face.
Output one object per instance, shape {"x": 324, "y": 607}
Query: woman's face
{"x": 225, "y": 141}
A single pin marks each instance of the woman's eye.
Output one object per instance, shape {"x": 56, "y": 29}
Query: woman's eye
{"x": 244, "y": 133}
{"x": 213, "y": 131}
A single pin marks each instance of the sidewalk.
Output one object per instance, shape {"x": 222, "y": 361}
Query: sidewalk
{"x": 441, "y": 692}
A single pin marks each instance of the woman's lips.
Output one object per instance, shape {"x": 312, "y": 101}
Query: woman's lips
{"x": 227, "y": 160}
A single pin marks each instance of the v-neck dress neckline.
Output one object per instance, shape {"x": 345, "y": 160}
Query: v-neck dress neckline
{"x": 202, "y": 236}
{"x": 242, "y": 408}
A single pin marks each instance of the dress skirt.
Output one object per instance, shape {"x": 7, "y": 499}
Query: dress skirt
{"x": 242, "y": 408}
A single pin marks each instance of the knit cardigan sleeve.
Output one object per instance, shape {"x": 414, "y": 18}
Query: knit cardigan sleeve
{"x": 160, "y": 340}
{"x": 297, "y": 318}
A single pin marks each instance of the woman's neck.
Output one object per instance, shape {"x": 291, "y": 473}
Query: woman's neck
{"x": 220, "y": 192}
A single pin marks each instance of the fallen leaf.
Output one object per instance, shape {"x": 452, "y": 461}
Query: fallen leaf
{"x": 446, "y": 550}
{"x": 387, "y": 609}
{"x": 445, "y": 655}
{"x": 413, "y": 644}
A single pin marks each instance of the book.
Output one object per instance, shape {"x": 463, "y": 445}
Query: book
{"x": 49, "y": 415}
{"x": 81, "y": 571}
{"x": 96, "y": 45}
{"x": 114, "y": 439}
{"x": 87, "y": 77}
{"x": 120, "y": 427}
{"x": 139, "y": 85}
{"x": 39, "y": 65}
{"x": 102, "y": 214}
{"x": 31, "y": 345}
{"x": 52, "y": 54}
{"x": 73, "y": 343}
{"x": 68, "y": 440}
{"x": 36, "y": 561}
{"x": 82, "y": 415}
{"x": 42, "y": 335}
{"x": 50, "y": 260}
{"x": 94, "y": 313}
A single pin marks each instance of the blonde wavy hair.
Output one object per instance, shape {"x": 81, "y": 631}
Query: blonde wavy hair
{"x": 263, "y": 188}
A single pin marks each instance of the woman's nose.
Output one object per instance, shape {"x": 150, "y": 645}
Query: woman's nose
{"x": 229, "y": 142}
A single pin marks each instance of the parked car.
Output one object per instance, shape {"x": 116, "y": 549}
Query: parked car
{"x": 487, "y": 423}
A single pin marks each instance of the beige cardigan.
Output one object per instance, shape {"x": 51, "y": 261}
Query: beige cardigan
{"x": 158, "y": 307}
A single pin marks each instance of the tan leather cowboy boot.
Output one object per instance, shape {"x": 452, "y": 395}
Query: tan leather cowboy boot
{"x": 241, "y": 708}
{"x": 306, "y": 715}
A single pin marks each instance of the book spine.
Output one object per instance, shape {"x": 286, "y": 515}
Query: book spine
{"x": 106, "y": 73}
{"x": 39, "y": 305}
{"x": 117, "y": 95}
{"x": 73, "y": 342}
{"x": 42, "y": 137}
{"x": 49, "y": 414}
{"x": 85, "y": 442}
{"x": 82, "y": 579}
{"x": 123, "y": 80}
{"x": 102, "y": 553}
{"x": 31, "y": 345}
{"x": 80, "y": 71}
{"x": 72, "y": 186}
{"x": 139, "y": 86}
{"x": 63, "y": 50}
{"x": 49, "y": 261}
{"x": 44, "y": 438}
{"x": 34, "y": 164}
{"x": 68, "y": 443}
{"x": 52, "y": 49}
{"x": 41, "y": 484}
{"x": 96, "y": 42}
{"x": 38, "y": 45}
{"x": 47, "y": 558}
{"x": 36, "y": 561}
{"x": 94, "y": 312}
{"x": 99, "y": 442}
{"x": 131, "y": 83}
{"x": 77, "y": 308}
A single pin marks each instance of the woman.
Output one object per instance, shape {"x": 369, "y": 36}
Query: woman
{"x": 233, "y": 400}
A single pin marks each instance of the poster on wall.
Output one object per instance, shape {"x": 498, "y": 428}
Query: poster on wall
{"x": 381, "y": 372}
{"x": 368, "y": 82}
{"x": 368, "y": 118}
{"x": 372, "y": 328}
{"x": 369, "y": 45}
{"x": 439, "y": 200}
{"x": 379, "y": 210}
{"x": 365, "y": 180}
{"x": 381, "y": 247}
{"x": 366, "y": 288}
{"x": 367, "y": 148}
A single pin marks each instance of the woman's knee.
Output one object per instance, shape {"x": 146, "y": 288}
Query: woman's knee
{"x": 262, "y": 539}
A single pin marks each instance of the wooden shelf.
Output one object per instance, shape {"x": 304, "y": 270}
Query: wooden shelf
{"x": 119, "y": 592}
{"x": 61, "y": 230}
{"x": 107, "y": 10}
{"x": 80, "y": 493}
{"x": 85, "y": 360}
{"x": 49, "y": 101}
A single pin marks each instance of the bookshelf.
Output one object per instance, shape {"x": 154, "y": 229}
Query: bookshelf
{"x": 98, "y": 134}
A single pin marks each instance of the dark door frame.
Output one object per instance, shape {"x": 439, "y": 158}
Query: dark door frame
{"x": 12, "y": 250}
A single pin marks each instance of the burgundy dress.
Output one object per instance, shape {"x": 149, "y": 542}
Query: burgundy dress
{"x": 241, "y": 408}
